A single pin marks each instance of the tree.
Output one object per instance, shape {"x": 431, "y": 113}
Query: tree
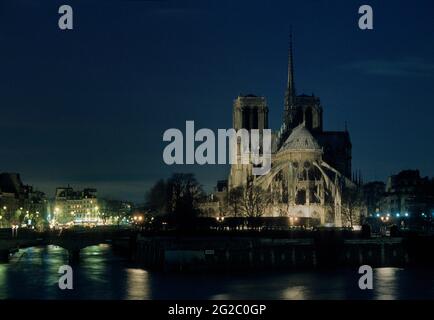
{"x": 184, "y": 192}
{"x": 178, "y": 197}
{"x": 234, "y": 198}
{"x": 156, "y": 197}
{"x": 13, "y": 217}
{"x": 254, "y": 199}
{"x": 353, "y": 203}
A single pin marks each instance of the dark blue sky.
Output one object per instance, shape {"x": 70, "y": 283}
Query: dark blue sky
{"x": 89, "y": 106}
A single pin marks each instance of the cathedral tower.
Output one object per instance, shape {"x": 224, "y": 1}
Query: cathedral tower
{"x": 249, "y": 112}
{"x": 299, "y": 109}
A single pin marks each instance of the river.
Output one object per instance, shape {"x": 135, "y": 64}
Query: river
{"x": 32, "y": 274}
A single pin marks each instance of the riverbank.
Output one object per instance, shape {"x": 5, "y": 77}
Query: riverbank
{"x": 224, "y": 253}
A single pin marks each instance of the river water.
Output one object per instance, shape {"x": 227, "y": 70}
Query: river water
{"x": 33, "y": 274}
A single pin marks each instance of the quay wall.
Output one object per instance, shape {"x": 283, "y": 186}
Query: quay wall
{"x": 241, "y": 253}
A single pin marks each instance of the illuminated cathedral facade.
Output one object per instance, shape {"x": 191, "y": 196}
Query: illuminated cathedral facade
{"x": 311, "y": 167}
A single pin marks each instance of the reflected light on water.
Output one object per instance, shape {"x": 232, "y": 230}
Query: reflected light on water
{"x": 295, "y": 293}
{"x": 33, "y": 274}
{"x": 137, "y": 284}
{"x": 94, "y": 262}
{"x": 3, "y": 278}
{"x": 222, "y": 296}
{"x": 386, "y": 283}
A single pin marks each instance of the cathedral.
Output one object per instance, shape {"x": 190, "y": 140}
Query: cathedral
{"x": 310, "y": 168}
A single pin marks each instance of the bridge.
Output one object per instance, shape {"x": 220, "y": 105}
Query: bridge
{"x": 72, "y": 240}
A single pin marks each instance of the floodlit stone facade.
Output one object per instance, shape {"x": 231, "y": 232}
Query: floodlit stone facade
{"x": 311, "y": 168}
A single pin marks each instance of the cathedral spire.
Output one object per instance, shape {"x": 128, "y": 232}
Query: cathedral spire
{"x": 290, "y": 90}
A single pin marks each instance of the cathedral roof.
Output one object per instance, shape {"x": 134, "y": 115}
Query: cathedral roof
{"x": 300, "y": 139}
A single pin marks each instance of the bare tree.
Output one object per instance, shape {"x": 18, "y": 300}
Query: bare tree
{"x": 183, "y": 192}
{"x": 178, "y": 197}
{"x": 234, "y": 199}
{"x": 254, "y": 200}
{"x": 352, "y": 200}
{"x": 156, "y": 198}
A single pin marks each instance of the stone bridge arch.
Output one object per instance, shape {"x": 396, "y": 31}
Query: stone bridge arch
{"x": 72, "y": 241}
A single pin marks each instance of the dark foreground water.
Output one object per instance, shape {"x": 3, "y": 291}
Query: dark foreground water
{"x": 32, "y": 274}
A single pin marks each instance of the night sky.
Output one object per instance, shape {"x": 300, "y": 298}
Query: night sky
{"x": 88, "y": 107}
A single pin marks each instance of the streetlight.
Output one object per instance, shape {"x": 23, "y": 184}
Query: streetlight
{"x": 14, "y": 230}
{"x": 219, "y": 218}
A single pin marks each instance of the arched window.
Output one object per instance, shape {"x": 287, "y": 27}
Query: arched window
{"x": 246, "y": 119}
{"x": 330, "y": 217}
{"x": 305, "y": 174}
{"x": 255, "y": 119}
{"x": 301, "y": 197}
{"x": 299, "y": 116}
{"x": 313, "y": 196}
{"x": 308, "y": 118}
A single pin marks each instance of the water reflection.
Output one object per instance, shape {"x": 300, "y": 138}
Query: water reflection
{"x": 295, "y": 293}
{"x": 3, "y": 278}
{"x": 33, "y": 274}
{"x": 137, "y": 284}
{"x": 321, "y": 285}
{"x": 386, "y": 282}
{"x": 93, "y": 263}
